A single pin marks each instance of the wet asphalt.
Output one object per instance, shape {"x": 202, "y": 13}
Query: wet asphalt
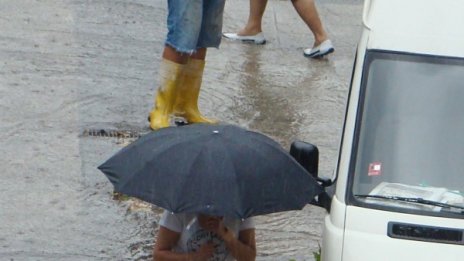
{"x": 71, "y": 67}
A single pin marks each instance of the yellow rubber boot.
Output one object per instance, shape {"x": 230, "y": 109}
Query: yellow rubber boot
{"x": 186, "y": 104}
{"x": 170, "y": 75}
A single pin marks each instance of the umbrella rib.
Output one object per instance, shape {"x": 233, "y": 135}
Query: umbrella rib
{"x": 184, "y": 181}
{"x": 249, "y": 146}
{"x": 146, "y": 163}
{"x": 272, "y": 147}
{"x": 231, "y": 159}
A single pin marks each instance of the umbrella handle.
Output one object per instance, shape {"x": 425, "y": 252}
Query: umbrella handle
{"x": 191, "y": 223}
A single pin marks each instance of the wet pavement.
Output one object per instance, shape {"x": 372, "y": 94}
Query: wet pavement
{"x": 67, "y": 67}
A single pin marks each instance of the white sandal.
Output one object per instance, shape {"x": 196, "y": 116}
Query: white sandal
{"x": 322, "y": 49}
{"x": 256, "y": 39}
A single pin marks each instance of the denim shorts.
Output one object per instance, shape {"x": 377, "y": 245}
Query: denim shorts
{"x": 194, "y": 24}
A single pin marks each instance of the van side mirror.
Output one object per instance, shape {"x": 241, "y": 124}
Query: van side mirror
{"x": 307, "y": 155}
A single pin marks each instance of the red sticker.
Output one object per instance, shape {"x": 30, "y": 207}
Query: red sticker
{"x": 375, "y": 169}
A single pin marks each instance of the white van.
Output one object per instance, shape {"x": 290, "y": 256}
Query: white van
{"x": 399, "y": 181}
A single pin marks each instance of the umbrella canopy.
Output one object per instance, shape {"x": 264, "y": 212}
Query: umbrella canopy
{"x": 220, "y": 170}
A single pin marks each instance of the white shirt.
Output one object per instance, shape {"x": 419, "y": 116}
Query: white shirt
{"x": 192, "y": 236}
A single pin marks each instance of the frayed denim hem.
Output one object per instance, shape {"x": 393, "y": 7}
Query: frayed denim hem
{"x": 189, "y": 51}
{"x": 181, "y": 50}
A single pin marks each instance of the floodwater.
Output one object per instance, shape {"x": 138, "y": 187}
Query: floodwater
{"x": 75, "y": 65}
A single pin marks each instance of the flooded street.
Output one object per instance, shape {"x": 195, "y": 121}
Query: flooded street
{"x": 72, "y": 66}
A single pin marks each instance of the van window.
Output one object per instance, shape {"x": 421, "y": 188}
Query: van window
{"x": 410, "y": 134}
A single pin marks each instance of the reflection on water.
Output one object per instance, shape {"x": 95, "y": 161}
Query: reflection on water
{"x": 259, "y": 100}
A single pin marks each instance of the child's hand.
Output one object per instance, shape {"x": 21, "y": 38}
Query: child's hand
{"x": 225, "y": 233}
{"x": 205, "y": 252}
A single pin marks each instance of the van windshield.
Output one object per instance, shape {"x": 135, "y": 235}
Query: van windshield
{"x": 410, "y": 133}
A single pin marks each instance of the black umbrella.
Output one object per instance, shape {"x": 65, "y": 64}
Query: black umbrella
{"x": 220, "y": 170}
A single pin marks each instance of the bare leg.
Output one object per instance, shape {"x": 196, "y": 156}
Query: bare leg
{"x": 172, "y": 55}
{"x": 169, "y": 53}
{"x": 200, "y": 54}
{"x": 255, "y": 18}
{"x": 308, "y": 12}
